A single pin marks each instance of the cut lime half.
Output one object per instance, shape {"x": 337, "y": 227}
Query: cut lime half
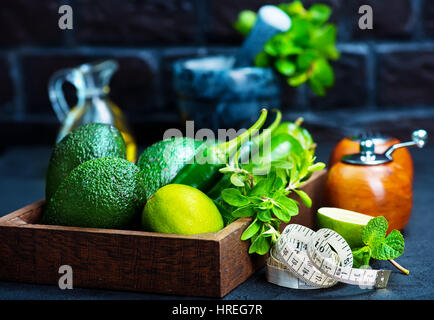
{"x": 348, "y": 224}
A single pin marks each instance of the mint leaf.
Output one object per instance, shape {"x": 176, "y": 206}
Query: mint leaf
{"x": 320, "y": 13}
{"x": 375, "y": 231}
{"x": 330, "y": 52}
{"x": 392, "y": 247}
{"x": 281, "y": 214}
{"x": 361, "y": 257}
{"x": 287, "y": 204}
{"x": 278, "y": 183}
{"x": 317, "y": 166}
{"x": 234, "y": 197}
{"x": 316, "y": 86}
{"x": 323, "y": 73}
{"x": 282, "y": 164}
{"x": 236, "y": 180}
{"x": 293, "y": 8}
{"x": 253, "y": 243}
{"x": 304, "y": 197}
{"x": 270, "y": 180}
{"x": 323, "y": 37}
{"x": 285, "y": 67}
{"x": 246, "y": 211}
{"x": 264, "y": 215}
{"x": 378, "y": 246}
{"x": 255, "y": 200}
{"x": 251, "y": 230}
{"x": 261, "y": 245}
{"x": 305, "y": 59}
{"x": 226, "y": 169}
{"x": 259, "y": 189}
{"x": 298, "y": 80}
{"x": 281, "y": 46}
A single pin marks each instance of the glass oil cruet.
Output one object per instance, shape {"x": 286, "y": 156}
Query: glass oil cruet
{"x": 91, "y": 81}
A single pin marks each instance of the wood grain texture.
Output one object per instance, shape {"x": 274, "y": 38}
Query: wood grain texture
{"x": 210, "y": 264}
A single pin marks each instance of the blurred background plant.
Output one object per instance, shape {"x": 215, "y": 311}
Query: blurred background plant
{"x": 302, "y": 53}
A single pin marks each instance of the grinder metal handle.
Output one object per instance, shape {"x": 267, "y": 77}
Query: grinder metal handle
{"x": 419, "y": 138}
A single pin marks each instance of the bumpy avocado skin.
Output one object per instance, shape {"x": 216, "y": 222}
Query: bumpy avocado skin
{"x": 99, "y": 193}
{"x": 90, "y": 141}
{"x": 161, "y": 161}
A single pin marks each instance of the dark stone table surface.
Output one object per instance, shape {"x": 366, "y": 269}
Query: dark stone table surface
{"x": 22, "y": 172}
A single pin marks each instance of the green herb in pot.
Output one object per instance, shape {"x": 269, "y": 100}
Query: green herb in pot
{"x": 302, "y": 54}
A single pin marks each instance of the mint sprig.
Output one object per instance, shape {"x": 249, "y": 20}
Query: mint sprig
{"x": 379, "y": 246}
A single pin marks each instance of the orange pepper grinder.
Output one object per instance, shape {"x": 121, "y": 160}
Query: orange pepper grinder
{"x": 376, "y": 184}
{"x": 350, "y": 145}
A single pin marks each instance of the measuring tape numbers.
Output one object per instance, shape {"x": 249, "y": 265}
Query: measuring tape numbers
{"x": 305, "y": 259}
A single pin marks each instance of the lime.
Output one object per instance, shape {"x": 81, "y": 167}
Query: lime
{"x": 348, "y": 224}
{"x": 181, "y": 209}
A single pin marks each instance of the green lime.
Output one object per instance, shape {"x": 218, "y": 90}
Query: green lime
{"x": 181, "y": 209}
{"x": 348, "y": 224}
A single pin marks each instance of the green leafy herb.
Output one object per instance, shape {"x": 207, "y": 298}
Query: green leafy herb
{"x": 234, "y": 197}
{"x": 375, "y": 231}
{"x": 302, "y": 53}
{"x": 264, "y": 197}
{"x": 258, "y": 187}
{"x": 391, "y": 248}
{"x": 378, "y": 245}
{"x": 361, "y": 256}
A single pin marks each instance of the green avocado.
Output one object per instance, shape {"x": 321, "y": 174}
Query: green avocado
{"x": 161, "y": 161}
{"x": 99, "y": 193}
{"x": 90, "y": 141}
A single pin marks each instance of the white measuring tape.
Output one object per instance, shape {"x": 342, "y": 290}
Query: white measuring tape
{"x": 305, "y": 259}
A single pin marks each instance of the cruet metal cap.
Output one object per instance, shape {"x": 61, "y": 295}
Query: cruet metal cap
{"x": 368, "y": 157}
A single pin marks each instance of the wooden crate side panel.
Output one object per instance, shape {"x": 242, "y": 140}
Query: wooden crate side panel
{"x": 236, "y": 264}
{"x": 149, "y": 264}
{"x": 28, "y": 214}
{"x": 203, "y": 265}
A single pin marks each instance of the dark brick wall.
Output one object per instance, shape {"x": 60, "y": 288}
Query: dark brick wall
{"x": 391, "y": 66}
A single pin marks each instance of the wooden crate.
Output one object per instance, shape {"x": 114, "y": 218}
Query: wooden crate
{"x": 210, "y": 264}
